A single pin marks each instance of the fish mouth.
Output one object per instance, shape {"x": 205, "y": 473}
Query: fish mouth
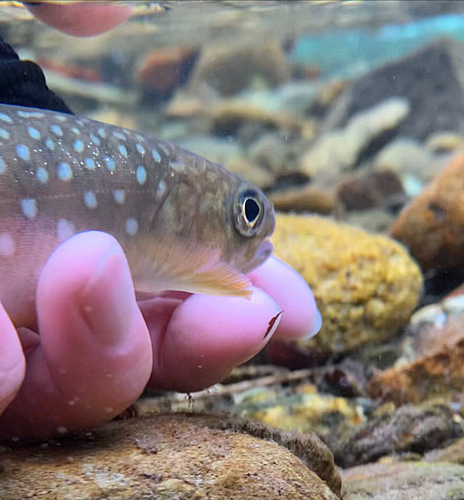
{"x": 262, "y": 253}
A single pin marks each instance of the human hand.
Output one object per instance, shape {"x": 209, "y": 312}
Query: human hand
{"x": 81, "y": 18}
{"x": 96, "y": 348}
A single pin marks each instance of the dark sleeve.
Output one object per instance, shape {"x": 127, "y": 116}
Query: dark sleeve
{"x": 22, "y": 83}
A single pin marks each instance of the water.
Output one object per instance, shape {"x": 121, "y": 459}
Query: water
{"x": 346, "y": 110}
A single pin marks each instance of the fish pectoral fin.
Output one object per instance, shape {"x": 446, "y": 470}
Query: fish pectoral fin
{"x": 221, "y": 279}
{"x": 183, "y": 268}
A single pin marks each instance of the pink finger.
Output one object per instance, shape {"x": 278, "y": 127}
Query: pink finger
{"x": 300, "y": 316}
{"x": 12, "y": 362}
{"x": 95, "y": 354}
{"x": 207, "y": 336}
{"x": 81, "y": 19}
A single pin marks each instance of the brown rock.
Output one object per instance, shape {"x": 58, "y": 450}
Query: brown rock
{"x": 370, "y": 189}
{"x": 183, "y": 456}
{"x": 432, "y": 226}
{"x": 304, "y": 199}
{"x": 439, "y": 369}
{"x": 231, "y": 69}
{"x": 366, "y": 286}
{"x": 415, "y": 429}
{"x": 161, "y": 70}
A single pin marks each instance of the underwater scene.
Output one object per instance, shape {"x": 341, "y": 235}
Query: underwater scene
{"x": 232, "y": 250}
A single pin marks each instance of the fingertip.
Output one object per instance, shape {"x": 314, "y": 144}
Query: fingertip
{"x": 207, "y": 336}
{"x": 81, "y": 19}
{"x": 301, "y": 318}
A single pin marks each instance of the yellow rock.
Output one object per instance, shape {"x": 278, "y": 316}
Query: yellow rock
{"x": 366, "y": 286}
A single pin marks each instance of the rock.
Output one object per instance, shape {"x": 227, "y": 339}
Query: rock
{"x": 231, "y": 69}
{"x": 270, "y": 151}
{"x": 407, "y": 429}
{"x": 339, "y": 149}
{"x": 404, "y": 481}
{"x": 429, "y": 79}
{"x": 326, "y": 97}
{"x": 304, "y": 199}
{"x": 432, "y": 226}
{"x": 370, "y": 189}
{"x": 453, "y": 454}
{"x": 444, "y": 142}
{"x": 366, "y": 286}
{"x": 413, "y": 163}
{"x": 181, "y": 456}
{"x": 228, "y": 116}
{"x": 433, "y": 364}
{"x": 161, "y": 70}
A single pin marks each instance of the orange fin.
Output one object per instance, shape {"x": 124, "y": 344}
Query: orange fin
{"x": 160, "y": 266}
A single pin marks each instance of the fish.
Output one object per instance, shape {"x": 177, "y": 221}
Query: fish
{"x": 184, "y": 223}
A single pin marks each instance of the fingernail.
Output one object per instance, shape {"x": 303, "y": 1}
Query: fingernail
{"x": 272, "y": 326}
{"x": 106, "y": 303}
{"x": 316, "y": 326}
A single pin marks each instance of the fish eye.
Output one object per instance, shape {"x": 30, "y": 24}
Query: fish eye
{"x": 249, "y": 211}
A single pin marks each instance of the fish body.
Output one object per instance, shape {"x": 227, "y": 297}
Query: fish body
{"x": 184, "y": 223}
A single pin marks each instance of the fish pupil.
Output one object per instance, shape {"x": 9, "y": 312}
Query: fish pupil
{"x": 251, "y": 210}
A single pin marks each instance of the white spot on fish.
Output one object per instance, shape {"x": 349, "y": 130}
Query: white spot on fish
{"x": 164, "y": 148}
{"x": 23, "y": 152}
{"x": 121, "y": 136}
{"x": 29, "y": 207}
{"x": 95, "y": 139}
{"x": 109, "y": 409}
{"x": 140, "y": 148}
{"x": 122, "y": 150}
{"x": 7, "y": 245}
{"x": 4, "y": 134}
{"x": 101, "y": 132}
{"x": 71, "y": 403}
{"x": 156, "y": 155}
{"x": 61, "y": 430}
{"x": 110, "y": 163}
{"x": 141, "y": 175}
{"x": 131, "y": 226}
{"x": 5, "y": 118}
{"x": 2, "y": 165}
{"x": 41, "y": 174}
{"x": 161, "y": 188}
{"x": 76, "y": 131}
{"x": 34, "y": 133}
{"x": 119, "y": 196}
{"x": 30, "y": 114}
{"x": 90, "y": 199}
{"x": 50, "y": 144}
{"x": 61, "y": 117}
{"x": 89, "y": 164}
{"x": 56, "y": 129}
{"x": 65, "y": 229}
{"x": 64, "y": 171}
{"x": 78, "y": 146}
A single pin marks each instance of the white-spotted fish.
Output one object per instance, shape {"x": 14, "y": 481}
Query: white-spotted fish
{"x": 185, "y": 223}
